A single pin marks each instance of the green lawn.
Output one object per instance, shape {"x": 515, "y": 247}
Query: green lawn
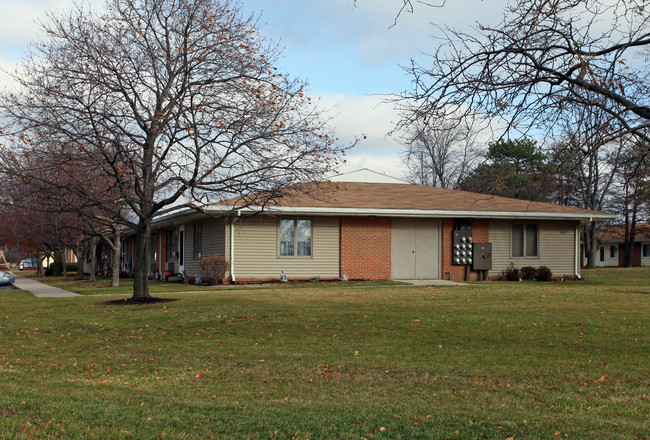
{"x": 491, "y": 361}
{"x": 102, "y": 285}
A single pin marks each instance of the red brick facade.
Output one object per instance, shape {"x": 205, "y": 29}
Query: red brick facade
{"x": 479, "y": 235}
{"x": 365, "y": 247}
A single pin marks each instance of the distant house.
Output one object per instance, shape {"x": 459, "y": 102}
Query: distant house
{"x": 611, "y": 251}
{"x": 364, "y": 225}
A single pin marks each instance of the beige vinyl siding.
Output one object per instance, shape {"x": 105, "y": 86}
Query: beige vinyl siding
{"x": 214, "y": 241}
{"x": 256, "y": 249}
{"x": 556, "y": 247}
{"x": 609, "y": 261}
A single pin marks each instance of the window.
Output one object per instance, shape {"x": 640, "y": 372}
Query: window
{"x": 295, "y": 238}
{"x": 646, "y": 250}
{"x": 171, "y": 246}
{"x": 524, "y": 240}
{"x": 197, "y": 240}
{"x": 613, "y": 252}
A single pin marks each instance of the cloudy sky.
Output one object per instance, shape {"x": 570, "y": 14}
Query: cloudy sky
{"x": 349, "y": 52}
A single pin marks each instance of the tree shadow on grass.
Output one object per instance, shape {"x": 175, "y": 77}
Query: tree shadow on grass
{"x": 137, "y": 302}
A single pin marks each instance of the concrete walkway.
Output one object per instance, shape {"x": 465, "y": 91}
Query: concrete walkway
{"x": 41, "y": 290}
{"x": 431, "y": 282}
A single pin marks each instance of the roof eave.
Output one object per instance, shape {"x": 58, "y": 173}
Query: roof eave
{"x": 428, "y": 213}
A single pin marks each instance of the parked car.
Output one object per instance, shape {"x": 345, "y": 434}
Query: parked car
{"x": 28, "y": 264}
{"x": 6, "y": 278}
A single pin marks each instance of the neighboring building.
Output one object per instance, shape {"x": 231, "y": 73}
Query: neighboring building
{"x": 379, "y": 228}
{"x": 611, "y": 251}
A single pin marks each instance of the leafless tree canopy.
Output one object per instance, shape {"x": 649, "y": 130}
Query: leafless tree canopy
{"x": 441, "y": 156}
{"x": 545, "y": 56}
{"x": 175, "y": 103}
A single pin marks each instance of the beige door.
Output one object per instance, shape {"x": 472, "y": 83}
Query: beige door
{"x": 415, "y": 249}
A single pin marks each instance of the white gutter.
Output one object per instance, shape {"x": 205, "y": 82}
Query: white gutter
{"x": 439, "y": 213}
{"x": 578, "y": 254}
{"x": 232, "y": 250}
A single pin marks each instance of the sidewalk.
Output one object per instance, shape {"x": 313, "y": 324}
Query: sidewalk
{"x": 41, "y": 290}
{"x": 431, "y": 282}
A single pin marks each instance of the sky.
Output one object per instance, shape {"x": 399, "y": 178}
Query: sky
{"x": 350, "y": 53}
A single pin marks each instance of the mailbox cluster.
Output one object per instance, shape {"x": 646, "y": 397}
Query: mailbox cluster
{"x": 462, "y": 249}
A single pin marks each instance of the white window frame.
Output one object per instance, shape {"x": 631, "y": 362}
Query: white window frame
{"x": 613, "y": 252}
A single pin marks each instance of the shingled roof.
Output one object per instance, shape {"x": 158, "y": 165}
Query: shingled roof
{"x": 616, "y": 233}
{"x": 359, "y": 198}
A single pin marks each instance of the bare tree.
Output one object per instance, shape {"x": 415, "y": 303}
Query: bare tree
{"x": 442, "y": 155}
{"x": 587, "y": 159}
{"x": 545, "y": 56}
{"x": 634, "y": 180}
{"x": 62, "y": 183}
{"x": 177, "y": 104}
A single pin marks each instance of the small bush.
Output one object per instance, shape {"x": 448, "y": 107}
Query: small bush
{"x": 71, "y": 267}
{"x": 49, "y": 272}
{"x": 528, "y": 273}
{"x": 543, "y": 273}
{"x": 213, "y": 268}
{"x": 511, "y": 274}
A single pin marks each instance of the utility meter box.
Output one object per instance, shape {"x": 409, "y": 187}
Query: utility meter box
{"x": 482, "y": 256}
{"x": 461, "y": 252}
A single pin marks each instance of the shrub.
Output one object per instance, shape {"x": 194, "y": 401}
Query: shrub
{"x": 528, "y": 273}
{"x": 213, "y": 268}
{"x": 71, "y": 267}
{"x": 543, "y": 273}
{"x": 511, "y": 274}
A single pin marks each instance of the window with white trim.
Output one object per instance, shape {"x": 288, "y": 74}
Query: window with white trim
{"x": 613, "y": 252}
{"x": 295, "y": 238}
{"x": 524, "y": 240}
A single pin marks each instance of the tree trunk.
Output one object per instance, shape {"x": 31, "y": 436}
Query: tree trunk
{"x": 64, "y": 263}
{"x": 590, "y": 242}
{"x": 141, "y": 264}
{"x": 81, "y": 257}
{"x": 629, "y": 238}
{"x": 39, "y": 264}
{"x": 93, "y": 259}
{"x": 115, "y": 263}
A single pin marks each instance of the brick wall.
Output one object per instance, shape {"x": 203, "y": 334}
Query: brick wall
{"x": 479, "y": 235}
{"x": 365, "y": 248}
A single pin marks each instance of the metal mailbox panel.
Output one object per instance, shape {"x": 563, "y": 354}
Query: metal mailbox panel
{"x": 482, "y": 256}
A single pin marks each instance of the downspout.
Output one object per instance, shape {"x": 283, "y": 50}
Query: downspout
{"x": 578, "y": 255}
{"x": 232, "y": 248}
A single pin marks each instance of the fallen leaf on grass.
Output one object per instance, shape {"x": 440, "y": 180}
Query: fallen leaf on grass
{"x": 557, "y": 434}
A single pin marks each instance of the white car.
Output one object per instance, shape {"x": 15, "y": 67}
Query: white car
{"x": 25, "y": 264}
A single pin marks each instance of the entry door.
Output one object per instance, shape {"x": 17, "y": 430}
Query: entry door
{"x": 415, "y": 249}
{"x": 601, "y": 260}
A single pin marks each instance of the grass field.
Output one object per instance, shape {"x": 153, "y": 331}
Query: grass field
{"x": 103, "y": 285}
{"x": 492, "y": 361}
